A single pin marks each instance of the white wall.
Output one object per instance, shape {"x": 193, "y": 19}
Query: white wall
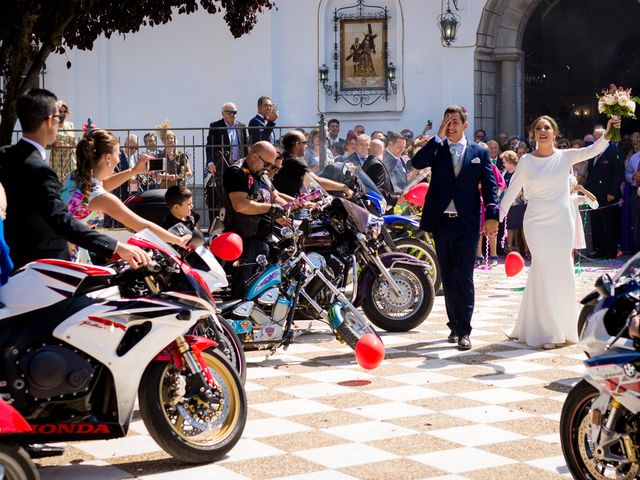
{"x": 186, "y": 69}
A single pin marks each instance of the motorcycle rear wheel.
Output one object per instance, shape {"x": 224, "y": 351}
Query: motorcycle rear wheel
{"x": 201, "y": 438}
{"x": 393, "y": 313}
{"x": 16, "y": 464}
{"x": 422, "y": 251}
{"x": 575, "y": 438}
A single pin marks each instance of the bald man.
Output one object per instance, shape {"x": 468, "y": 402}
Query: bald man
{"x": 248, "y": 198}
{"x": 375, "y": 168}
{"x": 227, "y": 143}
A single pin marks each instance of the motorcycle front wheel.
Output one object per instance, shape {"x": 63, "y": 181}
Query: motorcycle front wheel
{"x": 228, "y": 342}
{"x": 400, "y": 313}
{"x": 422, "y": 251}
{"x": 352, "y": 328}
{"x": 16, "y": 464}
{"x": 577, "y": 445}
{"x": 183, "y": 421}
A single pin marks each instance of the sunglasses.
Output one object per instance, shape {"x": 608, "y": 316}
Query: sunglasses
{"x": 408, "y": 136}
{"x": 230, "y": 112}
{"x": 301, "y": 142}
{"x": 268, "y": 165}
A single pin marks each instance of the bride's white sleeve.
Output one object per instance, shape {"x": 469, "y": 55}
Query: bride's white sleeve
{"x": 515, "y": 186}
{"x": 577, "y": 155}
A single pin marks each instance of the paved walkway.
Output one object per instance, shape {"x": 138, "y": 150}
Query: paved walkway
{"x": 428, "y": 412}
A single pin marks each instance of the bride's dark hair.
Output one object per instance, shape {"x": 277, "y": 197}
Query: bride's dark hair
{"x": 549, "y": 119}
{"x": 90, "y": 149}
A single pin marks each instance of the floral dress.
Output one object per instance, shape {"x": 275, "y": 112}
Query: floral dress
{"x": 78, "y": 207}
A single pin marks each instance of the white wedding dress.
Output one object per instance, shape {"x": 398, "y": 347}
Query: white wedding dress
{"x": 548, "y": 313}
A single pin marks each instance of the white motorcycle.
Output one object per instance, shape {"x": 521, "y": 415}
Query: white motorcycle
{"x": 78, "y": 342}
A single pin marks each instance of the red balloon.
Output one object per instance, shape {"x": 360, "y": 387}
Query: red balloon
{"x": 369, "y": 351}
{"x": 417, "y": 194}
{"x": 513, "y": 264}
{"x": 227, "y": 246}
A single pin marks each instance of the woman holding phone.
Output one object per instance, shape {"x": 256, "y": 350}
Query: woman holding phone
{"x": 86, "y": 190}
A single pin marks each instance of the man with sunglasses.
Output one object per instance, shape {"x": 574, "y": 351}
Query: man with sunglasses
{"x": 227, "y": 143}
{"x": 295, "y": 173}
{"x": 248, "y": 196}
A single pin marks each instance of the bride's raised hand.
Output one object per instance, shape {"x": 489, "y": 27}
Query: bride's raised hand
{"x": 614, "y": 122}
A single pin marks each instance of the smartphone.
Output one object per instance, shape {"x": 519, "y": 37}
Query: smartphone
{"x": 156, "y": 164}
{"x": 429, "y": 124}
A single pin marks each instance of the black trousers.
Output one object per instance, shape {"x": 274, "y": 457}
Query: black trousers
{"x": 456, "y": 251}
{"x": 251, "y": 248}
{"x": 604, "y": 231}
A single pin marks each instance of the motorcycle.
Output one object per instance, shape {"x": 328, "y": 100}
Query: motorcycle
{"x": 264, "y": 317}
{"x": 394, "y": 288}
{"x": 15, "y": 462}
{"x": 600, "y": 425}
{"x": 97, "y": 336}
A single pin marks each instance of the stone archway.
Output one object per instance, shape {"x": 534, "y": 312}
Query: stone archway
{"x": 499, "y": 65}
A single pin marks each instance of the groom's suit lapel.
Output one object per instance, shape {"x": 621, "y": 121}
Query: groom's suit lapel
{"x": 448, "y": 158}
{"x": 469, "y": 154}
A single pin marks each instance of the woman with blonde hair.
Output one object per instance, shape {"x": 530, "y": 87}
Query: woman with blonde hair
{"x": 86, "y": 191}
{"x": 63, "y": 152}
{"x": 177, "y": 169}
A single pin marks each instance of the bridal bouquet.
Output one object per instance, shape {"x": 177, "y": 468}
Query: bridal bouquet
{"x": 617, "y": 101}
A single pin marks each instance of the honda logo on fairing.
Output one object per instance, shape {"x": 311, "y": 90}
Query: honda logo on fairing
{"x": 75, "y": 428}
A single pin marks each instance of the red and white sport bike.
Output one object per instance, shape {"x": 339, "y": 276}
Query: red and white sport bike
{"x": 79, "y": 342}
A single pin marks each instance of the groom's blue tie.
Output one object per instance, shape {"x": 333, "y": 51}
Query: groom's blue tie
{"x": 456, "y": 157}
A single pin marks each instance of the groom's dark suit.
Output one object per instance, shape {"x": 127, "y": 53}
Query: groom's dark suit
{"x": 456, "y": 235}
{"x": 38, "y": 224}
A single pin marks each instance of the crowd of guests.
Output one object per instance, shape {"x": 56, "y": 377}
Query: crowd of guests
{"x": 613, "y": 178}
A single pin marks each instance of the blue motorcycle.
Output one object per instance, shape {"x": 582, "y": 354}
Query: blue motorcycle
{"x": 600, "y": 422}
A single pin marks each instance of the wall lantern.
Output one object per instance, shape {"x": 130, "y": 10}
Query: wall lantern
{"x": 448, "y": 23}
{"x": 323, "y": 76}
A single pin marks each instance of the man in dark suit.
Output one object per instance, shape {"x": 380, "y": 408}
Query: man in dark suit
{"x": 261, "y": 126}
{"x": 38, "y": 224}
{"x": 604, "y": 176}
{"x": 452, "y": 213}
{"x": 376, "y": 170}
{"x": 361, "y": 154}
{"x": 396, "y": 146}
{"x": 227, "y": 143}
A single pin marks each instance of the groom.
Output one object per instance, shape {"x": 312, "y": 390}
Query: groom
{"x": 452, "y": 213}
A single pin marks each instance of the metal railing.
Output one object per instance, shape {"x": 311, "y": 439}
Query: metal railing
{"x": 195, "y": 142}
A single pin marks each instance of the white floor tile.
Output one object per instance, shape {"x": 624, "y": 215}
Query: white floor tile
{"x": 496, "y": 396}
{"x": 508, "y": 381}
{"x": 95, "y": 470}
{"x": 462, "y": 459}
{"x": 476, "y": 435}
{"x": 551, "y": 464}
{"x": 515, "y": 367}
{"x": 204, "y": 472}
{"x": 324, "y": 475}
{"x": 345, "y": 455}
{"x": 408, "y": 392}
{"x": 120, "y": 447}
{"x": 267, "y": 427}
{"x": 288, "y": 408}
{"x": 389, "y": 411}
{"x": 487, "y": 414}
{"x": 315, "y": 390}
{"x": 369, "y": 431}
{"x": 422, "y": 378}
{"x": 247, "y": 449}
{"x": 334, "y": 376}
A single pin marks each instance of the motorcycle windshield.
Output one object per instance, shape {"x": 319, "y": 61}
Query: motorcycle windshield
{"x": 359, "y": 215}
{"x": 629, "y": 269}
{"x": 151, "y": 237}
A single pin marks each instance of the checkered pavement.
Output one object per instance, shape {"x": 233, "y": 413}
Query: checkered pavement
{"x": 428, "y": 412}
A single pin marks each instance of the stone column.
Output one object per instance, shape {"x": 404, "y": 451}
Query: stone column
{"x": 509, "y": 59}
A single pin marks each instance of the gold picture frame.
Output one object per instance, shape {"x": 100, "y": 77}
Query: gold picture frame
{"x": 363, "y": 63}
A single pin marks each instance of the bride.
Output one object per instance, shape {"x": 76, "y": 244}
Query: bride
{"x": 548, "y": 311}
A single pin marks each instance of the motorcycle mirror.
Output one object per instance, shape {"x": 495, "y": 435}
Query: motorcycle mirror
{"x": 286, "y": 232}
{"x": 197, "y": 238}
{"x": 262, "y": 260}
{"x": 604, "y": 286}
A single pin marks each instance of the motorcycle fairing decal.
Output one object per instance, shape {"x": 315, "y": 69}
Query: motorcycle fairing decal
{"x": 79, "y": 267}
{"x": 63, "y": 277}
{"x": 240, "y": 326}
{"x": 617, "y": 359}
{"x": 103, "y": 322}
{"x": 269, "y": 278}
{"x": 70, "y": 428}
{"x": 59, "y": 291}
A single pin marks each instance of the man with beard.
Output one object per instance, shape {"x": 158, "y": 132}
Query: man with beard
{"x": 291, "y": 177}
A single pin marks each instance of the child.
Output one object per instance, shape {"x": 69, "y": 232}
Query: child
{"x": 515, "y": 236}
{"x": 588, "y": 198}
{"x": 180, "y": 202}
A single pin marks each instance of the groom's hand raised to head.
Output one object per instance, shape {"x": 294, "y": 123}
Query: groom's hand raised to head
{"x": 442, "y": 131}
{"x": 491, "y": 227}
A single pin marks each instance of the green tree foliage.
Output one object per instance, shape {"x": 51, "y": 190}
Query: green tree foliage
{"x": 31, "y": 30}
